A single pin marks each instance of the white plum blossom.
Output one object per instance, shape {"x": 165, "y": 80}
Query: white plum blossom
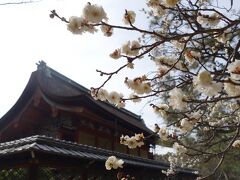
{"x": 130, "y": 65}
{"x": 126, "y": 48}
{"x": 212, "y": 89}
{"x": 156, "y": 8}
{"x": 203, "y": 83}
{"x": 140, "y": 139}
{"x": 163, "y": 70}
{"x": 179, "y": 44}
{"x": 134, "y": 98}
{"x": 191, "y": 56}
{"x": 153, "y": 3}
{"x": 114, "y": 97}
{"x": 195, "y": 116}
{"x": 79, "y": 25}
{"x": 234, "y": 70}
{"x": 131, "y": 48}
{"x": 133, "y": 84}
{"x": 145, "y": 88}
{"x": 171, "y": 170}
{"x": 236, "y": 143}
{"x": 135, "y": 47}
{"x": 208, "y": 20}
{"x": 132, "y": 142}
{"x": 107, "y": 30}
{"x": 186, "y": 125}
{"x": 216, "y": 123}
{"x": 179, "y": 149}
{"x": 176, "y": 99}
{"x": 121, "y": 104}
{"x": 224, "y": 37}
{"x": 116, "y": 54}
{"x": 113, "y": 163}
{"x": 94, "y": 13}
{"x": 163, "y": 134}
{"x": 161, "y": 110}
{"x": 123, "y": 139}
{"x": 102, "y": 95}
{"x": 138, "y": 85}
{"x": 232, "y": 89}
{"x": 170, "y": 3}
{"x": 75, "y": 24}
{"x": 203, "y": 79}
{"x": 129, "y": 17}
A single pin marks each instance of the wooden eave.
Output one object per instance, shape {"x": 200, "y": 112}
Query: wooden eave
{"x": 84, "y": 102}
{"x": 20, "y": 106}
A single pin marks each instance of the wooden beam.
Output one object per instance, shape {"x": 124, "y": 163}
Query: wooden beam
{"x": 33, "y": 172}
{"x": 54, "y": 111}
{"x": 36, "y": 100}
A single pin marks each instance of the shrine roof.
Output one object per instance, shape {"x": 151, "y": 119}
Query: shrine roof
{"x": 52, "y": 73}
{"x": 56, "y": 147}
{"x": 58, "y": 89}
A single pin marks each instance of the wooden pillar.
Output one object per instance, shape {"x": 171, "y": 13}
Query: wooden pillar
{"x": 138, "y": 152}
{"x": 113, "y": 143}
{"x": 33, "y": 172}
{"x": 128, "y": 151}
{"x": 85, "y": 174}
{"x": 33, "y": 168}
{"x": 116, "y": 135}
{"x": 96, "y": 140}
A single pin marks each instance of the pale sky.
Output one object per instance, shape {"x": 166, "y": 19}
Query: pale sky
{"x": 28, "y": 35}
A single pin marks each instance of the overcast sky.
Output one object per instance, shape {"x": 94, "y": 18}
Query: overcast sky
{"x": 28, "y": 35}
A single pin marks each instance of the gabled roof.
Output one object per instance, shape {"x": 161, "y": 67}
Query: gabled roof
{"x": 58, "y": 148}
{"x": 60, "y": 90}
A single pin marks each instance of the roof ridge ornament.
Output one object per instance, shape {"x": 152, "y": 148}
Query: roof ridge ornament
{"x": 42, "y": 66}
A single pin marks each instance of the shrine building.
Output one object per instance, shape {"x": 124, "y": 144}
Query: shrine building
{"x": 56, "y": 131}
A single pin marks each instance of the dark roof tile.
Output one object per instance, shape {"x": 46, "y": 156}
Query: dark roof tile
{"x": 61, "y": 147}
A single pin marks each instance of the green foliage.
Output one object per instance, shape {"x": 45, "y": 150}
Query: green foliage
{"x": 13, "y": 174}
